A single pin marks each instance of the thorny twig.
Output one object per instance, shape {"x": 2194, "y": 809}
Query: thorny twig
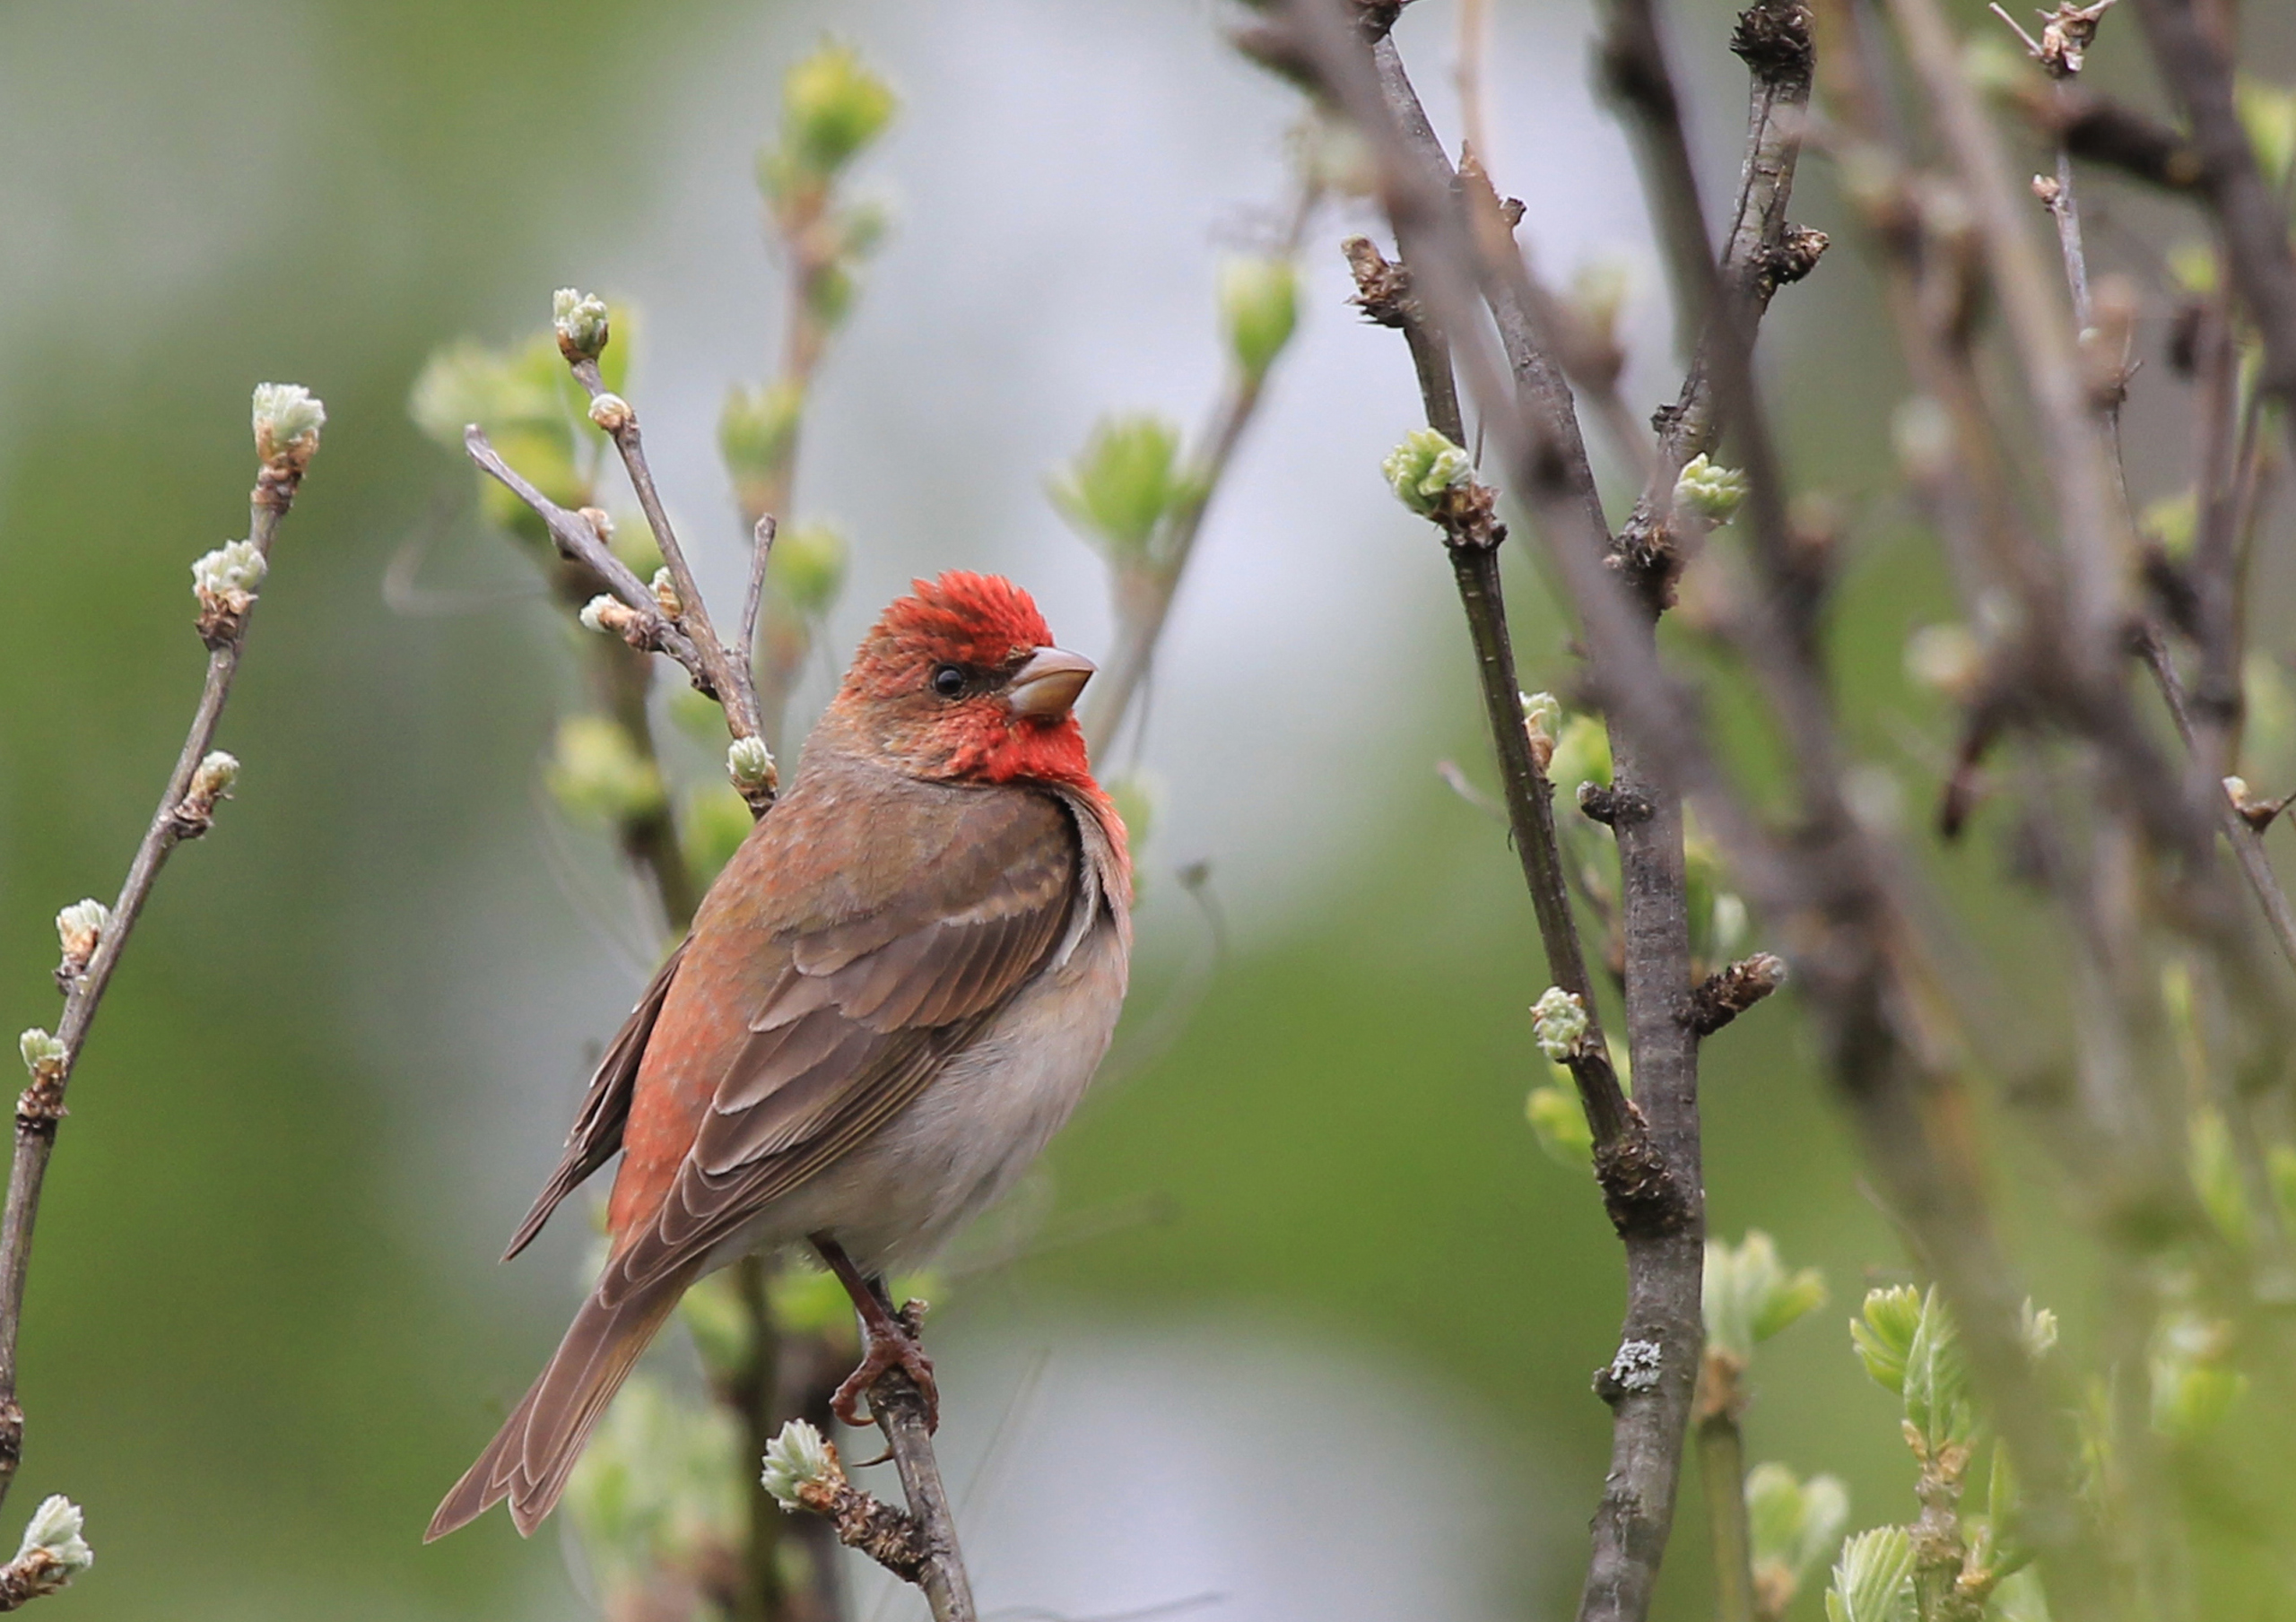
{"x": 284, "y": 445}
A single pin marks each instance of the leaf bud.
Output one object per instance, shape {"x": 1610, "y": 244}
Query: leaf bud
{"x": 580, "y": 322}
{"x": 1260, "y": 307}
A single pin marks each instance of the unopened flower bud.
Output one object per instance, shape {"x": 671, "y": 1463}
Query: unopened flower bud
{"x": 615, "y": 618}
{"x": 665, "y": 593}
{"x": 287, "y": 422}
{"x": 1712, "y": 492}
{"x": 1559, "y": 1024}
{"x": 52, "y": 1552}
{"x": 579, "y": 319}
{"x": 798, "y": 1458}
{"x": 612, "y": 412}
{"x": 749, "y": 763}
{"x": 1543, "y": 720}
{"x": 43, "y": 1052}
{"x": 236, "y": 566}
{"x": 1259, "y": 306}
{"x": 1424, "y": 468}
{"x": 80, "y": 930}
{"x": 831, "y": 106}
{"x": 210, "y": 781}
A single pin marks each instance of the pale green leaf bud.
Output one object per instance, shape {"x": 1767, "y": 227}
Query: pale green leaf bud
{"x": 749, "y": 765}
{"x": 756, "y": 430}
{"x": 611, "y": 412}
{"x": 236, "y": 566}
{"x": 80, "y": 929}
{"x": 287, "y": 422}
{"x": 807, "y": 571}
{"x": 798, "y": 1458}
{"x": 581, "y": 323}
{"x": 1712, "y": 492}
{"x": 596, "y": 772}
{"x": 1123, "y": 484}
{"x": 1792, "y": 1525}
{"x": 1425, "y": 468}
{"x": 1883, "y": 1335}
{"x": 1559, "y": 1024}
{"x": 1873, "y": 1582}
{"x": 1260, "y": 307}
{"x": 41, "y": 1051}
{"x": 1543, "y": 723}
{"x": 55, "y": 1531}
{"x": 1750, "y": 1295}
{"x": 1558, "y": 1121}
{"x": 831, "y": 108}
{"x": 1582, "y": 753}
{"x": 214, "y": 776}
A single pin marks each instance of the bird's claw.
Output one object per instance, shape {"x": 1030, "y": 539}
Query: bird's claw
{"x": 884, "y": 1350}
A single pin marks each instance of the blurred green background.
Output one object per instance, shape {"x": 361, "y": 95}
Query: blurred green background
{"x": 265, "y": 1329}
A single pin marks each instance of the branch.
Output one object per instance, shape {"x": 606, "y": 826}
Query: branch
{"x": 287, "y": 424}
{"x": 2253, "y": 222}
{"x": 1648, "y": 1383}
{"x": 1145, "y": 588}
{"x": 1762, "y": 253}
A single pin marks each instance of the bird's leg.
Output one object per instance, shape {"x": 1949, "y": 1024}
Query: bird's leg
{"x": 888, "y": 1341}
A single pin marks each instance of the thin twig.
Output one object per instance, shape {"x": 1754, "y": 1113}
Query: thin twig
{"x": 1144, "y": 591}
{"x": 729, "y": 680}
{"x": 762, "y": 537}
{"x": 1722, "y": 1474}
{"x": 187, "y": 807}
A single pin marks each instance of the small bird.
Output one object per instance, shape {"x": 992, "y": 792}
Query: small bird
{"x": 892, "y": 996}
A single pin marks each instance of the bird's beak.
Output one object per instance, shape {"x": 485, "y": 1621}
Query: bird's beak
{"x": 1049, "y": 683}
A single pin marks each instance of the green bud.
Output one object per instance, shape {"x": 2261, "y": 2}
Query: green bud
{"x": 749, "y": 765}
{"x": 1558, "y": 1121}
{"x": 1792, "y": 1525}
{"x": 41, "y": 1051}
{"x": 1259, "y": 307}
{"x": 713, "y": 820}
{"x": 798, "y": 1458}
{"x": 287, "y": 420}
{"x": 807, "y": 572}
{"x": 214, "y": 776}
{"x": 831, "y": 106}
{"x": 1123, "y": 484}
{"x": 1712, "y": 492}
{"x": 581, "y": 323}
{"x": 1883, "y": 1335}
{"x": 54, "y": 1531}
{"x": 1873, "y": 1582}
{"x": 1423, "y": 468}
{"x": 80, "y": 929}
{"x": 757, "y": 428}
{"x": 1750, "y": 1295}
{"x": 1582, "y": 753}
{"x": 2193, "y": 1389}
{"x": 233, "y": 567}
{"x": 596, "y": 773}
{"x": 2269, "y": 113}
{"x": 2172, "y": 521}
{"x": 1559, "y": 1024}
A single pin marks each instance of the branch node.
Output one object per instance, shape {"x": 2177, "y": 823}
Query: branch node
{"x": 1730, "y": 992}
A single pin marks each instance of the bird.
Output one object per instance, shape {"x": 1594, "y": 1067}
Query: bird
{"x": 890, "y": 998}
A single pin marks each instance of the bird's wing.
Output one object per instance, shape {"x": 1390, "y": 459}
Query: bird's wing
{"x": 596, "y": 1135}
{"x": 863, "y": 1003}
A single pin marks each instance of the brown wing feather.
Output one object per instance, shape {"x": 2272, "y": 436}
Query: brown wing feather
{"x": 859, "y": 1012}
{"x": 596, "y": 1134}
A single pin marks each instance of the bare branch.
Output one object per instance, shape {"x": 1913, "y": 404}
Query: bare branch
{"x": 286, "y": 437}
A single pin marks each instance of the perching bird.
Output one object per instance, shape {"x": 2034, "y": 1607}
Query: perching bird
{"x": 891, "y": 999}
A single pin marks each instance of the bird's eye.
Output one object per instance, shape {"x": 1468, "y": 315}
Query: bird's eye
{"x": 949, "y": 680}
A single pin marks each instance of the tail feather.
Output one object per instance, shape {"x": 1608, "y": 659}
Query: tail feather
{"x": 533, "y": 1454}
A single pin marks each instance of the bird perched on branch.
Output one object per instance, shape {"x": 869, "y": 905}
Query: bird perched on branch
{"x": 891, "y": 999}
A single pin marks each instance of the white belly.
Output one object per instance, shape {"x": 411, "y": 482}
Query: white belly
{"x": 974, "y": 1130}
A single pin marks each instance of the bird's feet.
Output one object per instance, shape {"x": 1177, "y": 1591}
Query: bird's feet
{"x": 888, "y": 1342}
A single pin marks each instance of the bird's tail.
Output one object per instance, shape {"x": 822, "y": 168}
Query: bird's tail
{"x": 530, "y": 1457}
